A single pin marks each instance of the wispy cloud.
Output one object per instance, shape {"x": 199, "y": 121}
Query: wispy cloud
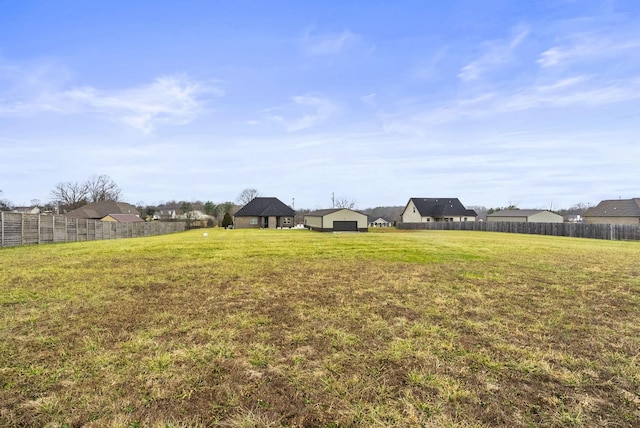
{"x": 585, "y": 47}
{"x": 496, "y": 53}
{"x": 167, "y": 100}
{"x": 578, "y": 91}
{"x": 30, "y": 89}
{"x": 326, "y": 44}
{"x": 316, "y": 109}
{"x": 369, "y": 99}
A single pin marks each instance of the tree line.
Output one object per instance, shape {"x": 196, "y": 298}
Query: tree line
{"x": 70, "y": 195}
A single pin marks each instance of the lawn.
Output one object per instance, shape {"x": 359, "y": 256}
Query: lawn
{"x": 296, "y": 328}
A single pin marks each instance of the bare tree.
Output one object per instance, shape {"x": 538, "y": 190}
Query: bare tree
{"x": 102, "y": 188}
{"x": 247, "y": 195}
{"x": 5, "y": 205}
{"x": 344, "y": 203}
{"x": 70, "y": 196}
{"x": 225, "y": 208}
{"x": 189, "y": 215}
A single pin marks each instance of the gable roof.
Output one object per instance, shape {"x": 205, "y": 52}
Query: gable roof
{"x": 322, "y": 213}
{"x": 372, "y": 219}
{"x": 441, "y": 207}
{"x": 97, "y": 210}
{"x": 265, "y": 207}
{"x": 615, "y": 208}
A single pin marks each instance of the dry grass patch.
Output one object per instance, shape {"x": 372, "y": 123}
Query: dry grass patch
{"x": 294, "y": 328}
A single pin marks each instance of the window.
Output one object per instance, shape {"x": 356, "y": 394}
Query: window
{"x": 253, "y": 220}
{"x": 286, "y": 220}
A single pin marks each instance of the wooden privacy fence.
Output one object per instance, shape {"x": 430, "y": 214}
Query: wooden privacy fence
{"x": 621, "y": 232}
{"x": 21, "y": 229}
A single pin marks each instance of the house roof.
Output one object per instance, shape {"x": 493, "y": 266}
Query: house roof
{"x": 615, "y": 208}
{"x": 125, "y": 218}
{"x": 372, "y": 219}
{"x": 516, "y": 213}
{"x": 322, "y": 213}
{"x": 97, "y": 210}
{"x": 26, "y": 209}
{"x": 441, "y": 207}
{"x": 265, "y": 207}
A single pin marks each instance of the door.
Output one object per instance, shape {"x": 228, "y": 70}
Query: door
{"x": 345, "y": 226}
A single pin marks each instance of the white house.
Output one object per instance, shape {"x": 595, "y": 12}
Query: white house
{"x": 424, "y": 210}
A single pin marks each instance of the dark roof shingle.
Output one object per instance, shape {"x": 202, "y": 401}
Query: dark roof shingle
{"x": 265, "y": 207}
{"x": 97, "y": 210}
{"x": 441, "y": 207}
{"x": 615, "y": 208}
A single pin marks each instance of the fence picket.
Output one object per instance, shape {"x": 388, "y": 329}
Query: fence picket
{"x": 627, "y": 232}
{"x": 21, "y": 229}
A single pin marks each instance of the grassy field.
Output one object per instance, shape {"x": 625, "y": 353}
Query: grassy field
{"x": 296, "y": 328}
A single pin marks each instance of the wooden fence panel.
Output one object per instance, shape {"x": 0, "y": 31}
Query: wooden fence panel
{"x": 627, "y": 232}
{"x": 21, "y": 229}
{"x": 11, "y": 229}
{"x": 59, "y": 228}
{"x": 46, "y": 229}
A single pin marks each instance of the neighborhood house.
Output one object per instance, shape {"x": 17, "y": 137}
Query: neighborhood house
{"x": 614, "y": 211}
{"x": 424, "y": 210}
{"x": 379, "y": 222}
{"x": 99, "y": 210}
{"x": 266, "y": 213}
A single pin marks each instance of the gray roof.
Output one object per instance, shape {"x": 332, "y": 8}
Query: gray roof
{"x": 441, "y": 207}
{"x": 97, "y": 210}
{"x": 615, "y": 208}
{"x": 371, "y": 218}
{"x": 322, "y": 213}
{"x": 265, "y": 207}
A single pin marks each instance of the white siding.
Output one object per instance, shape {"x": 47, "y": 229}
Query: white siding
{"x": 345, "y": 215}
{"x": 411, "y": 214}
{"x": 546, "y": 217}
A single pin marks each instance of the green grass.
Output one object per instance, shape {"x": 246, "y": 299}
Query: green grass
{"x": 296, "y": 328}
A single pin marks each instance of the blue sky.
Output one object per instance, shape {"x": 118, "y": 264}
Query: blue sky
{"x": 495, "y": 102}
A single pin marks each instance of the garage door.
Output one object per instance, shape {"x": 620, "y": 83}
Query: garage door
{"x": 345, "y": 226}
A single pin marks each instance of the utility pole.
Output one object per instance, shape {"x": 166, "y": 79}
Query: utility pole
{"x": 293, "y": 203}
{"x": 333, "y": 200}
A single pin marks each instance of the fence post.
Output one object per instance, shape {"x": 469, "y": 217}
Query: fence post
{"x": 1, "y": 228}
{"x": 39, "y": 228}
{"x": 22, "y": 229}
